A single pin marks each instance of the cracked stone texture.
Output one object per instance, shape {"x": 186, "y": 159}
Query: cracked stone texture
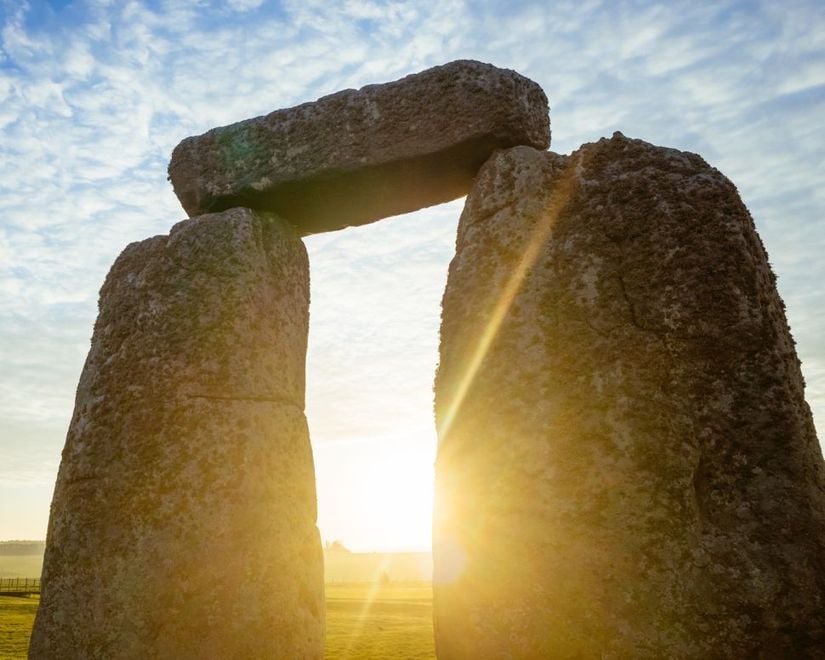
{"x": 183, "y": 519}
{"x": 357, "y": 156}
{"x": 633, "y": 470}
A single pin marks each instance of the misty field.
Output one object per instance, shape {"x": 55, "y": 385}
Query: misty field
{"x": 23, "y": 566}
{"x": 364, "y": 620}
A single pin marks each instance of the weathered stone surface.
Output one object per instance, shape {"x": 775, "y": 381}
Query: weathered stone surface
{"x": 631, "y": 471}
{"x": 183, "y": 519}
{"x": 360, "y": 155}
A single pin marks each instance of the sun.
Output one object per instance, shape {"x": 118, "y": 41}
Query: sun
{"x": 402, "y": 510}
{"x": 376, "y": 495}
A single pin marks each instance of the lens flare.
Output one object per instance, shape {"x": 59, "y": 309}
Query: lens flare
{"x": 541, "y": 232}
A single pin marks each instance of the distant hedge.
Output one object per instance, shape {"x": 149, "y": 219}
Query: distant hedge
{"x": 19, "y": 548}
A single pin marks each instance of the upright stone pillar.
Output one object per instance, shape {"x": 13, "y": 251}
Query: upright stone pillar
{"x": 627, "y": 466}
{"x": 183, "y": 519}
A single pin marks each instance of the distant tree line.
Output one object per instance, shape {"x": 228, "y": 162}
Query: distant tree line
{"x": 19, "y": 548}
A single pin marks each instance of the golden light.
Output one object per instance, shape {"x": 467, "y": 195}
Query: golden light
{"x": 535, "y": 242}
{"x": 462, "y": 531}
{"x": 377, "y": 497}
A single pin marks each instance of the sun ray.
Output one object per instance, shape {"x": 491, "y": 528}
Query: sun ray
{"x": 541, "y": 232}
{"x": 365, "y": 608}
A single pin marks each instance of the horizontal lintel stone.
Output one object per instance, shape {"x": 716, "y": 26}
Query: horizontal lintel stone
{"x": 357, "y": 156}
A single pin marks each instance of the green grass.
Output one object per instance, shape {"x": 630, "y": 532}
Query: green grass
{"x": 16, "y": 621}
{"x": 379, "y": 621}
{"x": 364, "y": 621}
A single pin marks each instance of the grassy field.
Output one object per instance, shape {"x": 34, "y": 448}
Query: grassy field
{"x": 379, "y": 621}
{"x": 16, "y": 620}
{"x": 364, "y": 621}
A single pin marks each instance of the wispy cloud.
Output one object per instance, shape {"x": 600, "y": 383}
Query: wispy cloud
{"x": 95, "y": 94}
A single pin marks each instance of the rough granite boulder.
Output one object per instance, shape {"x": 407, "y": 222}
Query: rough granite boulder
{"x": 627, "y": 466}
{"x": 183, "y": 519}
{"x": 360, "y": 155}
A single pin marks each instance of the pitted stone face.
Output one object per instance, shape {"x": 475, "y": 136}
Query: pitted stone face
{"x": 361, "y": 155}
{"x": 626, "y": 464}
{"x": 183, "y": 518}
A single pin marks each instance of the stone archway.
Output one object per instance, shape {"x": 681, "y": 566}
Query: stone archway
{"x": 626, "y": 461}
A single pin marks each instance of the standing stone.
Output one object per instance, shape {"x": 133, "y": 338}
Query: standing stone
{"x": 360, "y": 155}
{"x": 183, "y": 519}
{"x": 627, "y": 467}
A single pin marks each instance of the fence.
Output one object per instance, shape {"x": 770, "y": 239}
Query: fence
{"x": 19, "y": 586}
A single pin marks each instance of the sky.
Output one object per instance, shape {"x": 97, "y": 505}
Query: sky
{"x": 95, "y": 94}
